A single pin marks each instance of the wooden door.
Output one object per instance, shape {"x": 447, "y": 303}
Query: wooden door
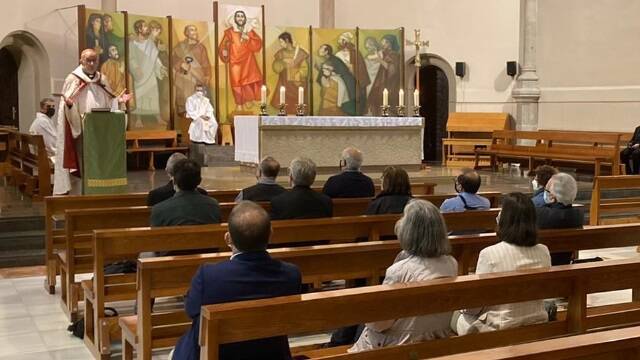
{"x": 8, "y": 89}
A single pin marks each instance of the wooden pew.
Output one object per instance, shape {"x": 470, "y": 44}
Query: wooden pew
{"x": 152, "y": 142}
{"x": 5, "y": 167}
{"x": 55, "y": 207}
{"x": 611, "y": 344}
{"x": 469, "y": 131}
{"x": 113, "y": 245}
{"x": 171, "y": 276}
{"x": 617, "y": 206}
{"x": 30, "y": 167}
{"x": 316, "y": 312}
{"x": 575, "y": 147}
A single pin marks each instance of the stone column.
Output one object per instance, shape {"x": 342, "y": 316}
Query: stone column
{"x": 327, "y": 14}
{"x": 527, "y": 93}
{"x": 109, "y": 5}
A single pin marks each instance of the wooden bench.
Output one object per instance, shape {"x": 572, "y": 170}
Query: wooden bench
{"x": 467, "y": 132}
{"x": 321, "y": 312}
{"x": 5, "y": 167}
{"x": 611, "y": 344}
{"x": 152, "y": 142}
{"x": 171, "y": 276}
{"x": 29, "y": 164}
{"x": 623, "y": 207}
{"x": 74, "y": 255}
{"x": 554, "y": 147}
{"x": 55, "y": 207}
{"x": 112, "y": 245}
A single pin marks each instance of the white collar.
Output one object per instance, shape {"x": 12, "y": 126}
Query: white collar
{"x": 79, "y": 73}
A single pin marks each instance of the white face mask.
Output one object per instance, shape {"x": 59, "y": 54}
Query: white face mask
{"x": 498, "y": 217}
{"x": 535, "y": 185}
{"x": 547, "y": 198}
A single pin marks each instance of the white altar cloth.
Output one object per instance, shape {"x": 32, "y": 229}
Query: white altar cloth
{"x": 248, "y": 129}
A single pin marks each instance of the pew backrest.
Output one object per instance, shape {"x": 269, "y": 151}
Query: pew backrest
{"x": 611, "y": 204}
{"x": 234, "y": 322}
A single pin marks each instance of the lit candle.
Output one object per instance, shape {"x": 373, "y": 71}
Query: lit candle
{"x": 401, "y": 97}
{"x": 385, "y": 97}
{"x": 282, "y": 94}
{"x": 300, "y": 95}
{"x": 263, "y": 94}
{"x": 416, "y": 97}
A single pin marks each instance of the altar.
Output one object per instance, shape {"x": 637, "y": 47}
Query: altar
{"x": 383, "y": 140}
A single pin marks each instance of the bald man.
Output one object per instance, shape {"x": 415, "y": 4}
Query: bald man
{"x": 466, "y": 185}
{"x": 84, "y": 89}
{"x": 351, "y": 182}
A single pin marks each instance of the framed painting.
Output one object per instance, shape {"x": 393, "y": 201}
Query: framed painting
{"x": 383, "y": 60}
{"x": 148, "y": 65}
{"x": 288, "y": 64}
{"x": 193, "y": 63}
{"x": 241, "y": 59}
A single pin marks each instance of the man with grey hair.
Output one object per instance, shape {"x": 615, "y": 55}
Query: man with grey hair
{"x": 164, "y": 192}
{"x": 266, "y": 188}
{"x": 351, "y": 182}
{"x": 301, "y": 202}
{"x": 558, "y": 211}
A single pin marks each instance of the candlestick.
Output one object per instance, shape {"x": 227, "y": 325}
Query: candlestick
{"x": 300, "y": 95}
{"x": 385, "y": 110}
{"x": 400, "y": 110}
{"x": 282, "y": 94}
{"x": 301, "y": 109}
{"x": 263, "y": 94}
{"x": 416, "y": 110}
{"x": 263, "y": 109}
{"x": 282, "y": 109}
{"x": 401, "y": 97}
{"x": 385, "y": 97}
{"x": 416, "y": 97}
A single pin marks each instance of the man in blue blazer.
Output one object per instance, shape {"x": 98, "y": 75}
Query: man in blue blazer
{"x": 250, "y": 274}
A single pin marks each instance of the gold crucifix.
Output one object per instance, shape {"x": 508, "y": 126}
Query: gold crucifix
{"x": 418, "y": 44}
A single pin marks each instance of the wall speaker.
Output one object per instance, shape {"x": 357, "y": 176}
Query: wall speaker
{"x": 512, "y": 68}
{"x": 460, "y": 69}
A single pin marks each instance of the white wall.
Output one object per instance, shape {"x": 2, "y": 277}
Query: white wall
{"x": 588, "y": 61}
{"x": 277, "y": 12}
{"x": 56, "y": 46}
{"x": 484, "y": 34}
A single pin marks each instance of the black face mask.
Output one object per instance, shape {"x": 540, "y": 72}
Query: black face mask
{"x": 50, "y": 112}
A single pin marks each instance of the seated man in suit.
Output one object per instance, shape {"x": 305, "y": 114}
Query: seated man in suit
{"x": 558, "y": 211}
{"x": 250, "y": 274}
{"x": 466, "y": 185}
{"x": 187, "y": 206}
{"x": 164, "y": 192}
{"x": 351, "y": 182}
{"x": 266, "y": 188}
{"x": 630, "y": 156}
{"x": 301, "y": 202}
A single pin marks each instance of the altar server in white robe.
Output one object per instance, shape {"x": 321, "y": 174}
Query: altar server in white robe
{"x": 203, "y": 127}
{"x": 44, "y": 124}
{"x": 83, "y": 90}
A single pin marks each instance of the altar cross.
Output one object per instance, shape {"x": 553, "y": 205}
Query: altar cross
{"x": 418, "y": 44}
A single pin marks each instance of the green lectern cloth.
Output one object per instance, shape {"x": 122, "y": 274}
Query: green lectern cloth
{"x": 104, "y": 154}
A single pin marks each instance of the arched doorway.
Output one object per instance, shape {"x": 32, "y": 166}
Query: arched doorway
{"x": 437, "y": 100}
{"x": 29, "y": 70}
{"x": 434, "y": 97}
{"x": 9, "y": 105}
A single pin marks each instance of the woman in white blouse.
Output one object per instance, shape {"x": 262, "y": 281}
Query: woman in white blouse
{"x": 423, "y": 237}
{"x": 518, "y": 249}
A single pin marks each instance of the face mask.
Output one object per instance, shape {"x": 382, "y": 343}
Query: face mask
{"x": 547, "y": 198}
{"x": 50, "y": 112}
{"x": 535, "y": 185}
{"x": 498, "y": 218}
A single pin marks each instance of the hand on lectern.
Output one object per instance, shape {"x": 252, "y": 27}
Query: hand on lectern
{"x": 124, "y": 97}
